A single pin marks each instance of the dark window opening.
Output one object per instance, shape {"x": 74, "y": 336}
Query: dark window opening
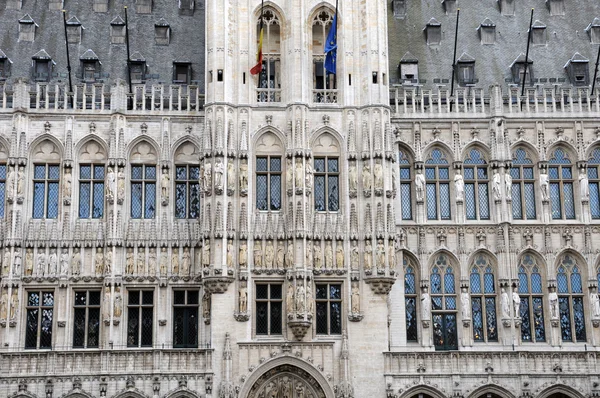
{"x": 182, "y": 72}
{"x": 138, "y": 72}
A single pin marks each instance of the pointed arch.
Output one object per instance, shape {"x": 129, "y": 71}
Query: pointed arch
{"x": 493, "y": 389}
{"x": 440, "y": 145}
{"x": 486, "y": 252}
{"x": 423, "y": 389}
{"x": 531, "y": 271}
{"x": 590, "y": 149}
{"x": 265, "y": 131}
{"x": 455, "y": 261}
{"x": 567, "y": 147}
{"x": 408, "y": 151}
{"x": 97, "y": 152}
{"x": 560, "y": 389}
{"x": 483, "y": 281}
{"x": 143, "y": 149}
{"x": 326, "y": 140}
{"x": 130, "y": 393}
{"x": 411, "y": 274}
{"x": 571, "y": 272}
{"x": 39, "y": 146}
{"x": 4, "y": 149}
{"x": 317, "y": 135}
{"x": 528, "y": 147}
{"x": 257, "y": 10}
{"x": 571, "y": 252}
{"x": 181, "y": 392}
{"x": 317, "y": 8}
{"x": 186, "y": 150}
{"x": 480, "y": 146}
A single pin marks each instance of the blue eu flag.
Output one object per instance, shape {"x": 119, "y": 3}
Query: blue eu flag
{"x": 331, "y": 47}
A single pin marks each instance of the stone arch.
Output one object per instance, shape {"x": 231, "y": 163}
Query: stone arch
{"x": 408, "y": 151}
{"x": 92, "y": 149}
{"x": 143, "y": 150}
{"x": 186, "y": 152}
{"x": 455, "y": 261}
{"x": 332, "y": 139}
{"x": 579, "y": 258}
{"x": 79, "y": 393}
{"x": 181, "y": 392}
{"x": 269, "y": 141}
{"x": 291, "y": 367}
{"x": 421, "y": 389}
{"x": 530, "y": 149}
{"x": 560, "y": 389}
{"x": 567, "y": 147}
{"x": 442, "y": 146}
{"x": 47, "y": 149}
{"x": 257, "y": 10}
{"x": 22, "y": 394}
{"x": 590, "y": 148}
{"x": 485, "y": 150}
{"x": 487, "y": 253}
{"x": 4, "y": 150}
{"x": 319, "y": 7}
{"x": 130, "y": 393}
{"x": 493, "y": 389}
{"x": 414, "y": 259}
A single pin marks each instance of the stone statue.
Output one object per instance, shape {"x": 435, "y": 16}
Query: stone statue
{"x": 219, "y": 170}
{"x": 368, "y": 256}
{"x": 289, "y": 255}
{"x": 289, "y": 173}
{"x": 459, "y": 187}
{"x": 318, "y": 255}
{"x": 516, "y": 303}
{"x": 309, "y": 254}
{"x": 106, "y": 304}
{"x": 269, "y": 255}
{"x": 4, "y": 305}
{"x": 355, "y": 299}
{"x": 206, "y": 255}
{"x": 258, "y": 254}
{"x": 289, "y": 299}
{"x": 504, "y": 304}
{"x": 230, "y": 254}
{"x": 206, "y": 305}
{"x": 465, "y": 303}
{"x": 52, "y": 261}
{"x": 339, "y": 255}
{"x": 99, "y": 260}
{"x": 67, "y": 183}
{"x": 21, "y": 182}
{"x": 544, "y": 185}
{"x": 354, "y": 255}
{"x": 175, "y": 261}
{"x": 420, "y": 185}
{"x": 120, "y": 186}
{"x": 366, "y": 177}
{"x": 309, "y": 175}
{"x": 10, "y": 182}
{"x": 14, "y": 304}
{"x": 141, "y": 261}
{"x": 29, "y": 262}
{"x": 299, "y": 174}
{"x": 186, "y": 261}
{"x": 553, "y": 300}
{"x": 108, "y": 261}
{"x": 152, "y": 262}
{"x": 425, "y": 305}
{"x": 230, "y": 177}
{"x": 378, "y": 171}
{"x": 243, "y": 259}
{"x": 207, "y": 176}
{"x": 496, "y": 190}
{"x": 6, "y": 262}
{"x": 595, "y": 303}
{"x": 380, "y": 255}
{"x": 392, "y": 255}
{"x": 64, "y": 261}
{"x": 280, "y": 256}
{"x": 243, "y": 176}
{"x": 118, "y": 307}
{"x": 165, "y": 185}
{"x": 41, "y": 262}
{"x": 300, "y": 298}
{"x": 584, "y": 185}
{"x": 309, "y": 299}
{"x": 508, "y": 184}
{"x": 129, "y": 266}
{"x": 18, "y": 261}
{"x": 76, "y": 261}
{"x": 328, "y": 255}
{"x": 243, "y": 297}
{"x": 111, "y": 182}
{"x": 164, "y": 261}
{"x": 352, "y": 177}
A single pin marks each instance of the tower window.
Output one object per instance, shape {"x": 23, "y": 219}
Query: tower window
{"x": 409, "y": 68}
{"x": 27, "y": 28}
{"x": 186, "y": 7}
{"x": 143, "y": 6}
{"x": 138, "y": 72}
{"x": 162, "y": 32}
{"x": 100, "y": 5}
{"x": 507, "y": 7}
{"x": 433, "y": 32}
{"x": 117, "y": 31}
{"x": 74, "y": 30}
{"x": 538, "y": 34}
{"x": 465, "y": 69}
{"x": 487, "y": 32}
{"x": 518, "y": 70}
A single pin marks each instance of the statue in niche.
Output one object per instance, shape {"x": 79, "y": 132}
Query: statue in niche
{"x": 18, "y": 261}
{"x": 64, "y": 261}
{"x": 289, "y": 174}
{"x": 67, "y": 184}
{"x": 118, "y": 307}
{"x": 186, "y": 261}
{"x": 380, "y": 256}
{"x": 353, "y": 177}
{"x": 206, "y": 305}
{"x": 339, "y": 255}
{"x": 280, "y": 256}
{"x": 206, "y": 254}
{"x": 41, "y": 262}
{"x": 6, "y": 262}
{"x": 76, "y": 261}
{"x": 505, "y": 304}
{"x": 207, "y": 176}
{"x": 106, "y": 304}
{"x": 29, "y": 262}
{"x": 368, "y": 256}
{"x": 425, "y": 305}
{"x": 300, "y": 298}
{"x": 152, "y": 261}
{"x": 378, "y": 171}
{"x": 175, "y": 261}
{"x": 165, "y": 185}
{"x": 309, "y": 175}
{"x": 164, "y": 261}
{"x": 21, "y": 183}
{"x": 243, "y": 259}
{"x": 420, "y": 185}
{"x": 516, "y": 302}
{"x": 229, "y": 253}
{"x": 11, "y": 179}
{"x": 269, "y": 255}
{"x": 129, "y": 262}
{"x": 108, "y": 261}
{"x": 553, "y": 300}
{"x": 299, "y": 174}
{"x": 309, "y": 254}
{"x": 111, "y": 183}
{"x": 354, "y": 255}
{"x": 243, "y": 177}
{"x": 595, "y": 302}
{"x": 584, "y": 185}
{"x": 328, "y": 255}
{"x": 289, "y": 255}
{"x": 52, "y": 262}
{"x": 243, "y": 297}
{"x": 392, "y": 255}
{"x": 544, "y": 185}
{"x": 318, "y": 255}
{"x": 465, "y": 303}
{"x": 496, "y": 191}
{"x": 289, "y": 299}
{"x": 4, "y": 305}
{"x": 14, "y": 304}
{"x": 141, "y": 261}
{"x": 366, "y": 177}
{"x": 219, "y": 169}
{"x": 508, "y": 185}
{"x": 120, "y": 186}
{"x": 258, "y": 254}
{"x": 230, "y": 178}
{"x": 99, "y": 260}
{"x": 459, "y": 187}
{"x": 355, "y": 299}
{"x": 309, "y": 299}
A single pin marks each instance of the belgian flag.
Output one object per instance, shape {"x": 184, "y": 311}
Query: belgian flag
{"x": 259, "y": 56}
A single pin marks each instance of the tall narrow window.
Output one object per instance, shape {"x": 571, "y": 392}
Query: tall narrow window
{"x": 91, "y": 190}
{"x": 570, "y": 300}
{"x": 560, "y": 173}
{"x": 410, "y": 300}
{"x": 483, "y": 300}
{"x": 187, "y": 191}
{"x": 523, "y": 186}
{"x": 86, "y": 323}
{"x": 269, "y": 316}
{"x": 268, "y": 183}
{"x": 2, "y": 188}
{"x": 143, "y": 191}
{"x": 324, "y": 83}
{"x": 45, "y": 190}
{"x": 476, "y": 186}
{"x": 443, "y": 304}
{"x": 437, "y": 176}
{"x": 269, "y": 79}
{"x": 532, "y": 300}
{"x": 328, "y": 302}
{"x": 40, "y": 319}
{"x": 594, "y": 181}
{"x": 140, "y": 309}
{"x": 405, "y": 186}
{"x": 327, "y": 184}
{"x": 185, "y": 318}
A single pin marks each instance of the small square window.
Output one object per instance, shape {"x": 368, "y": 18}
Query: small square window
{"x": 538, "y": 35}
{"x": 162, "y": 32}
{"x": 186, "y": 7}
{"x": 117, "y": 31}
{"x": 465, "y": 73}
{"x": 487, "y": 32}
{"x": 138, "y": 72}
{"x": 578, "y": 70}
{"x": 26, "y": 28}
{"x": 4, "y": 67}
{"x": 74, "y": 30}
{"x": 399, "y": 8}
{"x": 55, "y": 5}
{"x": 143, "y": 6}
{"x": 507, "y": 7}
{"x": 100, "y": 5}
{"x": 13, "y": 4}
{"x": 518, "y": 71}
{"x": 89, "y": 71}
{"x": 42, "y": 70}
{"x": 182, "y": 72}
{"x": 593, "y": 30}
{"x": 450, "y": 6}
{"x": 556, "y": 7}
{"x": 433, "y": 32}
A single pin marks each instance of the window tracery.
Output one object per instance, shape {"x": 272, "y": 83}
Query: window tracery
{"x": 594, "y": 182}
{"x": 405, "y": 185}
{"x": 437, "y": 176}
{"x": 476, "y": 186}
{"x": 570, "y": 300}
{"x": 443, "y": 303}
{"x": 523, "y": 186}
{"x": 483, "y": 300}
{"x": 532, "y": 300}
{"x": 410, "y": 300}
{"x": 560, "y": 173}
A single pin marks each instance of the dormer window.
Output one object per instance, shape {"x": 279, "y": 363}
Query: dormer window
{"x": 538, "y": 34}
{"x": 409, "y": 69}
{"x": 487, "y": 32}
{"x": 117, "y": 31}
{"x": 518, "y": 70}
{"x": 450, "y": 6}
{"x": 433, "y": 32}
{"x": 162, "y": 32}
{"x": 593, "y": 30}
{"x": 13, "y": 4}
{"x": 186, "y": 7}
{"x": 55, "y": 5}
{"x": 578, "y": 70}
{"x": 100, "y": 5}
{"x": 74, "y": 30}
{"x": 5, "y": 64}
{"x": 399, "y": 8}
{"x": 143, "y": 6}
{"x": 182, "y": 72}
{"x": 138, "y": 68}
{"x": 556, "y": 7}
{"x": 90, "y": 66}
{"x": 465, "y": 70}
{"x": 27, "y": 28}
{"x": 507, "y": 7}
{"x": 42, "y": 65}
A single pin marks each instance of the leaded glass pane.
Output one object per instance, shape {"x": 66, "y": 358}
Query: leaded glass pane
{"x": 529, "y": 201}
{"x": 411, "y": 319}
{"x": 405, "y": 173}
{"x": 79, "y": 328}
{"x": 180, "y": 200}
{"x": 332, "y": 165}
{"x": 449, "y": 282}
{"x": 475, "y": 282}
{"x": 320, "y": 193}
{"x": 477, "y": 319}
{"x": 335, "y": 318}
{"x": 569, "y": 201}
{"x": 525, "y": 320}
{"x": 555, "y": 200}
{"x": 528, "y": 173}
{"x": 333, "y": 187}
{"x": 436, "y": 303}
{"x": 261, "y": 192}
{"x": 431, "y": 202}
{"x": 561, "y": 282}
{"x": 136, "y": 200}
{"x": 402, "y": 159}
{"x": 430, "y": 173}
{"x": 261, "y": 164}
{"x": 436, "y": 283}
{"x": 469, "y": 174}
{"x": 179, "y": 326}
{"x": 275, "y": 192}
{"x": 475, "y": 157}
{"x": 276, "y": 317}
{"x": 53, "y": 172}
{"x": 321, "y": 315}
{"x": 406, "y": 199}
{"x": 437, "y": 157}
{"x": 450, "y": 303}
{"x": 517, "y": 209}
{"x": 98, "y": 209}
{"x": 146, "y": 327}
{"x": 565, "y": 319}
{"x": 592, "y": 173}
{"x": 98, "y": 172}
{"x": 559, "y": 157}
{"x": 470, "y": 201}
{"x": 445, "y": 201}
{"x": 31, "y": 328}
{"x": 553, "y": 173}
{"x": 181, "y": 173}
{"x": 133, "y": 323}
{"x": 489, "y": 283}
{"x": 84, "y": 200}
{"x": 523, "y": 285}
{"x": 319, "y": 165}
{"x": 150, "y": 172}
{"x": 484, "y": 209}
{"x": 39, "y": 172}
{"x": 515, "y": 173}
{"x": 409, "y": 283}
{"x": 136, "y": 172}
{"x": 52, "y": 211}
{"x": 194, "y": 200}
{"x": 567, "y": 173}
{"x": 594, "y": 200}
{"x": 85, "y": 172}
{"x": 443, "y": 173}
{"x": 576, "y": 286}
{"x": 275, "y": 164}
{"x": 579, "y": 319}
{"x": 538, "y": 319}
{"x": 150, "y": 201}
{"x": 490, "y": 319}
{"x": 2, "y": 195}
{"x": 262, "y": 291}
{"x": 536, "y": 283}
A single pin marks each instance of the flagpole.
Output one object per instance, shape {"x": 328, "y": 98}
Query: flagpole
{"x": 130, "y": 99}
{"x": 527, "y": 54}
{"x": 454, "y": 59}
{"x": 68, "y": 59}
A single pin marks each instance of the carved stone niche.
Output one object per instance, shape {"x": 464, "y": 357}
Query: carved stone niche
{"x": 380, "y": 284}
{"x": 299, "y": 328}
{"x": 217, "y": 284}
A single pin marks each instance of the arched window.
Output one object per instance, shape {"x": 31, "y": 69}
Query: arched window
{"x": 437, "y": 176}
{"x": 269, "y": 79}
{"x": 570, "y": 300}
{"x": 187, "y": 181}
{"x": 476, "y": 186}
{"x": 326, "y": 167}
{"x": 410, "y": 299}
{"x": 594, "y": 181}
{"x": 405, "y": 185}
{"x": 143, "y": 181}
{"x": 523, "y": 186}
{"x": 532, "y": 301}
{"x": 46, "y": 177}
{"x": 560, "y": 173}
{"x": 443, "y": 304}
{"x": 92, "y": 159}
{"x": 483, "y": 300}
{"x": 269, "y": 150}
{"x": 324, "y": 83}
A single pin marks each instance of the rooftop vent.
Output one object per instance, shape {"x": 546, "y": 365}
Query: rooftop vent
{"x": 27, "y": 28}
{"x": 556, "y": 7}
{"x": 593, "y": 30}
{"x": 578, "y": 70}
{"x": 450, "y": 6}
{"x": 100, "y": 5}
{"x": 433, "y": 32}
{"x": 507, "y": 7}
{"x": 487, "y": 31}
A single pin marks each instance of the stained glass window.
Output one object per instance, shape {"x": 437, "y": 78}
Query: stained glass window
{"x": 483, "y": 300}
{"x": 187, "y": 191}
{"x": 594, "y": 182}
{"x": 570, "y": 300}
{"x": 410, "y": 299}
{"x": 327, "y": 184}
{"x": 45, "y": 190}
{"x": 532, "y": 302}
{"x": 437, "y": 177}
{"x": 328, "y": 308}
{"x": 143, "y": 191}
{"x": 477, "y": 201}
{"x": 443, "y": 304}
{"x": 40, "y": 319}
{"x": 91, "y": 191}
{"x": 86, "y": 319}
{"x": 560, "y": 173}
{"x": 523, "y": 186}
{"x": 405, "y": 186}
{"x": 269, "y": 311}
{"x": 185, "y": 318}
{"x": 268, "y": 183}
{"x": 140, "y": 308}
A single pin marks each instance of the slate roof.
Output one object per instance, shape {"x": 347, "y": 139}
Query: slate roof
{"x": 187, "y": 38}
{"x": 566, "y": 35}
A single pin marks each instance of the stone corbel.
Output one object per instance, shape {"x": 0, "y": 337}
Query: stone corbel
{"x": 380, "y": 284}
